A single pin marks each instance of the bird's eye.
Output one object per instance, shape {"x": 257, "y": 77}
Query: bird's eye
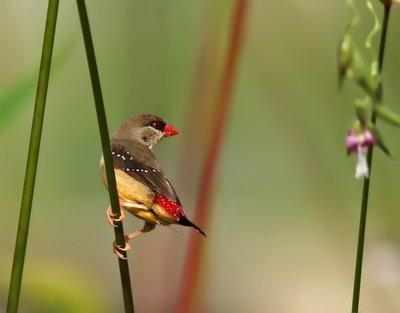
{"x": 157, "y": 125}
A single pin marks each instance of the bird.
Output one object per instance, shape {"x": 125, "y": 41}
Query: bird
{"x": 143, "y": 189}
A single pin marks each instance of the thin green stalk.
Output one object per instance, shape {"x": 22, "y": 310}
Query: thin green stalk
{"x": 365, "y": 193}
{"x": 105, "y": 142}
{"x": 33, "y": 156}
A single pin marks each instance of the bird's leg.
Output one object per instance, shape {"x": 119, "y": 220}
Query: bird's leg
{"x": 111, "y": 217}
{"x": 146, "y": 228}
{"x": 117, "y": 249}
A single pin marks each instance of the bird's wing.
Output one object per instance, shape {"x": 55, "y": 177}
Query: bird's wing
{"x": 147, "y": 175}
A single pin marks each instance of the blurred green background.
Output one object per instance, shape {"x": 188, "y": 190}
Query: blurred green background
{"x": 284, "y": 229}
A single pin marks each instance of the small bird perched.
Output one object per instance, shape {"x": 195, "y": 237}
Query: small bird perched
{"x": 143, "y": 190}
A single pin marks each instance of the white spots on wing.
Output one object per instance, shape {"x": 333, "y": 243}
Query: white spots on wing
{"x": 124, "y": 155}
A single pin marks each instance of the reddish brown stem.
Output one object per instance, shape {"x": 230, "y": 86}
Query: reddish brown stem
{"x": 192, "y": 264}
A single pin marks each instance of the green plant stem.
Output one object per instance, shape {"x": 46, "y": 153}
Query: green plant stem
{"x": 365, "y": 192}
{"x": 105, "y": 142}
{"x": 33, "y": 157}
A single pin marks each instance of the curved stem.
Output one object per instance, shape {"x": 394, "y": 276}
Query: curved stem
{"x": 194, "y": 255}
{"x": 365, "y": 192}
{"x": 33, "y": 157}
{"x": 105, "y": 142}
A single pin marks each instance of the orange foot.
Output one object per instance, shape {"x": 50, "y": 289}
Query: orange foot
{"x": 111, "y": 217}
{"x": 119, "y": 251}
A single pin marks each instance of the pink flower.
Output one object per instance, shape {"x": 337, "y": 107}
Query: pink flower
{"x": 355, "y": 140}
{"x": 359, "y": 142}
{"x": 369, "y": 139}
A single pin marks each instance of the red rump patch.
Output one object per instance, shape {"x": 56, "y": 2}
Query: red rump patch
{"x": 170, "y": 206}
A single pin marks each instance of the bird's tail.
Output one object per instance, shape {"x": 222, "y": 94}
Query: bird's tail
{"x": 184, "y": 221}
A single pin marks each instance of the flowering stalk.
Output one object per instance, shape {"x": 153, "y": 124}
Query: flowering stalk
{"x": 367, "y": 140}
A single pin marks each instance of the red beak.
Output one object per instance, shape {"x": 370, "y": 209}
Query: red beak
{"x": 170, "y": 130}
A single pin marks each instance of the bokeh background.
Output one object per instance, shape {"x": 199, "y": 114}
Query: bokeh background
{"x": 284, "y": 227}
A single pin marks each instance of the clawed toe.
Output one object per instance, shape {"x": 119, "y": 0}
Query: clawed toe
{"x": 118, "y": 250}
{"x": 111, "y": 217}
{"x": 119, "y": 254}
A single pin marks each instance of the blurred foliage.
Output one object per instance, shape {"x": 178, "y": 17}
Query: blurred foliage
{"x": 15, "y": 97}
{"x": 56, "y": 287}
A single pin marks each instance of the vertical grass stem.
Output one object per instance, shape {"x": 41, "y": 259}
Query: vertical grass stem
{"x": 33, "y": 157}
{"x": 105, "y": 142}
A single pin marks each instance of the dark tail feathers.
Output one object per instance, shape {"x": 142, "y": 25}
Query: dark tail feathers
{"x": 184, "y": 221}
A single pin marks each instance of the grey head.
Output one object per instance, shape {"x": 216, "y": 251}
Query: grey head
{"x": 145, "y": 129}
